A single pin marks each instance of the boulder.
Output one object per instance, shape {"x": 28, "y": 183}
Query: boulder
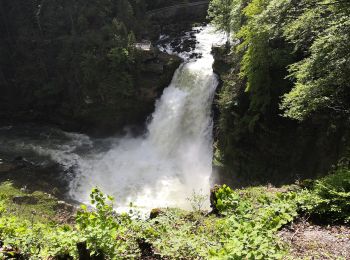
{"x": 6, "y": 167}
{"x": 154, "y": 68}
{"x": 25, "y": 200}
{"x": 155, "y": 213}
{"x": 147, "y": 251}
{"x": 213, "y": 199}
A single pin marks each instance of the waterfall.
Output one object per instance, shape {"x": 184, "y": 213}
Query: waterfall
{"x": 159, "y": 169}
{"x": 174, "y": 158}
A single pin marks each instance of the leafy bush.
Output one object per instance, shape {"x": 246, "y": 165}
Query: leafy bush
{"x": 249, "y": 232}
{"x": 225, "y": 199}
{"x": 329, "y": 198}
{"x": 36, "y": 240}
{"x": 246, "y": 228}
{"x": 103, "y": 231}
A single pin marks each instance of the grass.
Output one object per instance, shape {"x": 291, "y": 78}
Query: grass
{"x": 245, "y": 226}
{"x": 43, "y": 210}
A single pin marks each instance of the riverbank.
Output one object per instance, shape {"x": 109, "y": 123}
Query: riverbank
{"x": 29, "y": 176}
{"x": 252, "y": 223}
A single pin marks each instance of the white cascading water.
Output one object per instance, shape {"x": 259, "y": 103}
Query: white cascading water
{"x": 174, "y": 159}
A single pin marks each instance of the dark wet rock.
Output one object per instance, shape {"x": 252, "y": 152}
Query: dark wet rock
{"x": 152, "y": 72}
{"x": 21, "y": 162}
{"x": 6, "y": 167}
{"x": 18, "y": 158}
{"x": 147, "y": 55}
{"x": 184, "y": 43}
{"x": 147, "y": 251}
{"x": 62, "y": 257}
{"x": 84, "y": 253}
{"x": 213, "y": 199}
{"x": 154, "y": 68}
{"x": 189, "y": 44}
{"x": 30, "y": 176}
{"x": 175, "y": 43}
{"x": 29, "y": 200}
{"x": 155, "y": 213}
{"x": 155, "y": 74}
{"x": 196, "y": 55}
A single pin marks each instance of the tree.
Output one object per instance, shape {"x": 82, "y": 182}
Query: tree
{"x": 322, "y": 77}
{"x": 220, "y": 14}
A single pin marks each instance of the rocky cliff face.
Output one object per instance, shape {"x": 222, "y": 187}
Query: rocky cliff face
{"x": 177, "y": 17}
{"x": 74, "y": 64}
{"x": 78, "y": 69}
{"x": 152, "y": 72}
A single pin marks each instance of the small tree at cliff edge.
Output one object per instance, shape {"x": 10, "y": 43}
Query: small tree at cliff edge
{"x": 220, "y": 12}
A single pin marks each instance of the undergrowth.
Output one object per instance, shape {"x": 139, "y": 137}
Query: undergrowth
{"x": 329, "y": 199}
{"x": 245, "y": 226}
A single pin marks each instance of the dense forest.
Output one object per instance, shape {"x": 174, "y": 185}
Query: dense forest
{"x": 284, "y": 102}
{"x": 279, "y": 151}
{"x": 74, "y": 63}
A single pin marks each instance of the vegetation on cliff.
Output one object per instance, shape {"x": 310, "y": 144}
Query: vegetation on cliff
{"x": 284, "y": 101}
{"x": 76, "y": 60}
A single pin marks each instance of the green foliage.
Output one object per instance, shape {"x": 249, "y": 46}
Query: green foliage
{"x": 329, "y": 198}
{"x": 318, "y": 32}
{"x": 30, "y": 229}
{"x": 318, "y": 29}
{"x": 289, "y": 61}
{"x": 265, "y": 54}
{"x": 246, "y": 230}
{"x": 62, "y": 56}
{"x": 102, "y": 230}
{"x": 226, "y": 199}
{"x": 41, "y": 210}
{"x": 178, "y": 234}
{"x": 322, "y": 78}
{"x": 221, "y": 15}
{"x": 249, "y": 232}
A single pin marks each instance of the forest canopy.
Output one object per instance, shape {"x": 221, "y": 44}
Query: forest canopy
{"x": 56, "y": 56}
{"x": 290, "y": 63}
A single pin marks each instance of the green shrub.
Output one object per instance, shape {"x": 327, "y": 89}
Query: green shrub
{"x": 32, "y": 237}
{"x": 329, "y": 199}
{"x": 249, "y": 232}
{"x": 103, "y": 231}
{"x": 246, "y": 228}
{"x": 225, "y": 199}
